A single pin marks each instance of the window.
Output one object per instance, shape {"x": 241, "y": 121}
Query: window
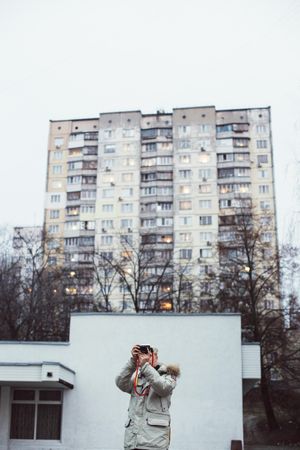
{"x": 205, "y": 204}
{"x": 148, "y": 191}
{"x": 184, "y": 129}
{"x": 185, "y": 237}
{"x": 91, "y": 136}
{"x": 108, "y": 178}
{"x": 73, "y": 195}
{"x": 126, "y": 239}
{"x": 87, "y": 209}
{"x": 164, "y": 221}
{"x": 224, "y": 142}
{"x": 75, "y": 152}
{"x": 265, "y": 205}
{"x": 185, "y": 159}
{"x": 263, "y": 189}
{"x": 185, "y": 253}
{"x": 56, "y": 184}
{"x": 73, "y": 226}
{"x": 164, "y": 191}
{"x": 74, "y": 180}
{"x": 127, "y": 207}
{"x": 204, "y": 174}
{"x": 204, "y": 128}
{"x": 266, "y": 237}
{"x": 127, "y": 192}
{"x": 148, "y": 223}
{"x": 241, "y": 172}
{"x": 185, "y": 205}
{"x": 106, "y": 193}
{"x": 205, "y": 220}
{"x": 72, "y": 211}
{"x": 164, "y": 206}
{"x": 106, "y": 240}
{"x": 204, "y": 158}
{"x": 89, "y": 164}
{"x": 262, "y": 143}
{"x": 224, "y": 203}
{"x": 128, "y": 132}
{"x": 126, "y": 223}
{"x": 204, "y": 188}
{"x": 205, "y": 252}
{"x": 235, "y": 187}
{"x": 55, "y": 198}
{"x": 109, "y": 148}
{"x": 89, "y": 180}
{"x": 90, "y": 150}
{"x": 262, "y": 159}
{"x": 107, "y": 224}
{"x": 261, "y": 129}
{"x": 184, "y": 144}
{"x": 225, "y": 157}
{"x": 224, "y": 128}
{"x": 240, "y": 142}
{"x": 205, "y": 270}
{"x": 263, "y": 173}
{"x": 185, "y": 189}
{"x": 185, "y": 174}
{"x": 88, "y": 194}
{"x": 54, "y": 213}
{"x": 53, "y": 229}
{"x": 204, "y": 144}
{"x": 127, "y": 177}
{"x": 70, "y": 242}
{"x": 36, "y": 414}
{"x": 150, "y": 147}
{"x": 58, "y": 142}
{"x": 56, "y": 170}
{"x": 88, "y": 225}
{"x": 108, "y": 134}
{"x": 108, "y": 164}
{"x": 206, "y": 236}
{"x": 241, "y": 156}
{"x": 74, "y": 165}
{"x": 164, "y": 160}
{"x": 128, "y": 162}
{"x": 107, "y": 208}
{"x": 57, "y": 155}
{"x": 185, "y": 221}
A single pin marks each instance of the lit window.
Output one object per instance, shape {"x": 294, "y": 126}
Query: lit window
{"x": 204, "y": 158}
{"x": 185, "y": 189}
{"x": 128, "y": 162}
{"x": 204, "y": 188}
{"x": 127, "y": 177}
{"x": 185, "y": 205}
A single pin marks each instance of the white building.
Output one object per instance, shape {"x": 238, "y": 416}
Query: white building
{"x": 63, "y": 395}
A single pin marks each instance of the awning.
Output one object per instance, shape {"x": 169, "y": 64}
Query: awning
{"x": 36, "y": 374}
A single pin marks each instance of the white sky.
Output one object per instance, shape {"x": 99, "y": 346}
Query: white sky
{"x": 64, "y": 59}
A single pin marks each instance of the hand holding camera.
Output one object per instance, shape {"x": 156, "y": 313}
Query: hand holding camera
{"x": 142, "y": 354}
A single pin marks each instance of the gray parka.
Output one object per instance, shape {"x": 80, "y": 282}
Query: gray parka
{"x": 148, "y": 424}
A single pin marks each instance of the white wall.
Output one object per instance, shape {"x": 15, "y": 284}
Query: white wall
{"x": 207, "y": 403}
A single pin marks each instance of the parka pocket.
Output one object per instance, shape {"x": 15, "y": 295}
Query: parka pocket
{"x": 158, "y": 422}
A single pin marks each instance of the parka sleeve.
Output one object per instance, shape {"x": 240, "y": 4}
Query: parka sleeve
{"x": 163, "y": 385}
{"x": 124, "y": 379}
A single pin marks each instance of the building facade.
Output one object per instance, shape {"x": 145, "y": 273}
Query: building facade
{"x": 156, "y": 193}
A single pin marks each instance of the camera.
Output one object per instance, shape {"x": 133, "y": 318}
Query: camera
{"x": 145, "y": 349}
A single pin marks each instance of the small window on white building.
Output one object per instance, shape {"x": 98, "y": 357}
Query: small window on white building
{"x": 36, "y": 414}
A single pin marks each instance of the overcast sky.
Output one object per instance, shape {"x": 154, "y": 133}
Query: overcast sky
{"x": 64, "y": 59}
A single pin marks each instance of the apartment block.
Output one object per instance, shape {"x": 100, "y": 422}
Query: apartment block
{"x": 163, "y": 186}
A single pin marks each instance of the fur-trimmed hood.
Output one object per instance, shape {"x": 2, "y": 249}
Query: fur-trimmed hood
{"x": 170, "y": 369}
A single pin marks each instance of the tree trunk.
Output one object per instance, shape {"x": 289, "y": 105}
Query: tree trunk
{"x": 265, "y": 394}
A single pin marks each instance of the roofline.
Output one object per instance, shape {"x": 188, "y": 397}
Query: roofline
{"x": 195, "y": 107}
{"x": 122, "y": 112}
{"x": 153, "y": 314}
{"x": 10, "y": 342}
{"x": 73, "y": 120}
{"x": 43, "y": 363}
{"x": 243, "y": 109}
